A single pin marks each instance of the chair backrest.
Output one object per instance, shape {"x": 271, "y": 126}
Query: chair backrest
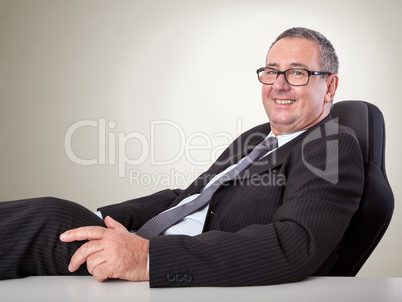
{"x": 372, "y": 218}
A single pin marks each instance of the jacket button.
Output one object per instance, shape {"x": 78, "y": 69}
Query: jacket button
{"x": 179, "y": 278}
{"x": 171, "y": 277}
{"x": 188, "y": 278}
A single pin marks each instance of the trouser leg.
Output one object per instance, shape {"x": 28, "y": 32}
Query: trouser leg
{"x": 29, "y": 236}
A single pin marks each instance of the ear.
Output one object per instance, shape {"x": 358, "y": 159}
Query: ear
{"x": 332, "y": 84}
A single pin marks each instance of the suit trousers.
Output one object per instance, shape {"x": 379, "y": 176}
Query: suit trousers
{"x": 29, "y": 236}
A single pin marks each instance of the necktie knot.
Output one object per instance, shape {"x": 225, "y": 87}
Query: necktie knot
{"x": 262, "y": 148}
{"x": 271, "y": 143}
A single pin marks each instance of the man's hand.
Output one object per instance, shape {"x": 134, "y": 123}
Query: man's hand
{"x": 111, "y": 252}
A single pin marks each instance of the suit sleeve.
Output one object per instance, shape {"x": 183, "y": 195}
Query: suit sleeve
{"x": 135, "y": 212}
{"x": 315, "y": 212}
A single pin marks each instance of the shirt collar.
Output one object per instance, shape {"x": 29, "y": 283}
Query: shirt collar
{"x": 285, "y": 138}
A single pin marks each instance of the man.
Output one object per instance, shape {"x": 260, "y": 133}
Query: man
{"x": 281, "y": 219}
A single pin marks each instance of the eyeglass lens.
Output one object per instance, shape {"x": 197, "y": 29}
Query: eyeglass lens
{"x": 294, "y": 76}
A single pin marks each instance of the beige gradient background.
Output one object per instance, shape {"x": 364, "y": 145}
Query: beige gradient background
{"x": 134, "y": 63}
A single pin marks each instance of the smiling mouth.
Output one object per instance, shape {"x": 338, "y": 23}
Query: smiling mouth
{"x": 284, "y": 102}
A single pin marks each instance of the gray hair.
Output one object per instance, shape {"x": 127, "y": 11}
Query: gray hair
{"x": 329, "y": 59}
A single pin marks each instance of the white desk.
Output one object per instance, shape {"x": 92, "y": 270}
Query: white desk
{"x": 323, "y": 289}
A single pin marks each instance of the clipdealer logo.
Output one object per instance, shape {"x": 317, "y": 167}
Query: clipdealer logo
{"x": 112, "y": 149}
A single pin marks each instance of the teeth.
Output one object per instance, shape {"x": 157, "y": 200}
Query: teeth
{"x": 284, "y": 102}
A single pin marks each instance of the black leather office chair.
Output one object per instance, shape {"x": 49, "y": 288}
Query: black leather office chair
{"x": 377, "y": 204}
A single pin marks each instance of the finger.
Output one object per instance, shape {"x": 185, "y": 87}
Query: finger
{"x": 81, "y": 255}
{"x": 98, "y": 266}
{"x": 83, "y": 233}
{"x": 101, "y": 272}
{"x": 113, "y": 224}
{"x": 93, "y": 262}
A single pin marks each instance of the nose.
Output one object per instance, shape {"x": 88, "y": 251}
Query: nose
{"x": 281, "y": 83}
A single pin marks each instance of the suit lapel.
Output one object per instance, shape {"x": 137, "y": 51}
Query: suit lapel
{"x": 269, "y": 162}
{"x": 237, "y": 154}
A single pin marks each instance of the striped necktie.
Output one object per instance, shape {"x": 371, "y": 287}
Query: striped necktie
{"x": 165, "y": 220}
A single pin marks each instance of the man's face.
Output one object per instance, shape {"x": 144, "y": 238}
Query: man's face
{"x": 308, "y": 104}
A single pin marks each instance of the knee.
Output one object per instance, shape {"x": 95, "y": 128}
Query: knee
{"x": 34, "y": 206}
{"x": 53, "y": 207}
{"x": 68, "y": 211}
{"x": 62, "y": 204}
{"x": 50, "y": 202}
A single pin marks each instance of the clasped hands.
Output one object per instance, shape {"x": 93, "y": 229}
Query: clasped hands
{"x": 111, "y": 252}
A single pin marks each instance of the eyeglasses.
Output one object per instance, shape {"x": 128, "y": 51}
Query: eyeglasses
{"x": 293, "y": 76}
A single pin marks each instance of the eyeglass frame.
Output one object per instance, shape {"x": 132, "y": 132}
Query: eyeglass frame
{"x": 278, "y": 73}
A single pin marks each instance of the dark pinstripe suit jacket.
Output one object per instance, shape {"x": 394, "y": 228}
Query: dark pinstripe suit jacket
{"x": 281, "y": 220}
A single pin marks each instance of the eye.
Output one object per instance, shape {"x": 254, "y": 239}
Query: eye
{"x": 270, "y": 72}
{"x": 299, "y": 73}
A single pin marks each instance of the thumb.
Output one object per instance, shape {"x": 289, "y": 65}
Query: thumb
{"x": 113, "y": 224}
